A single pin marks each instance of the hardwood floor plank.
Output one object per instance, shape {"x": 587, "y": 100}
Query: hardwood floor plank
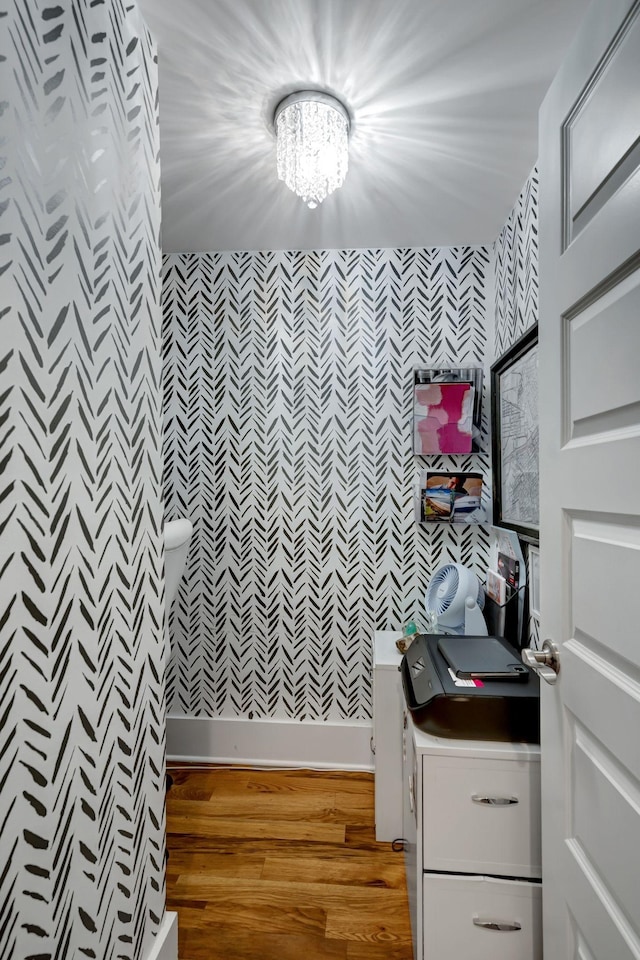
{"x": 195, "y": 784}
{"x": 354, "y": 898}
{"x": 245, "y": 828}
{"x": 212, "y": 863}
{"x": 265, "y": 914}
{"x": 274, "y": 847}
{"x": 191, "y": 915}
{"x": 356, "y": 800}
{"x": 312, "y": 781}
{"x": 363, "y": 836}
{"x": 236, "y": 944}
{"x": 272, "y": 806}
{"x": 382, "y": 872}
{"x": 383, "y": 922}
{"x": 353, "y": 808}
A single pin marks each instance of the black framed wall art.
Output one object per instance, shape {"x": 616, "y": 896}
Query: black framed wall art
{"x": 515, "y": 448}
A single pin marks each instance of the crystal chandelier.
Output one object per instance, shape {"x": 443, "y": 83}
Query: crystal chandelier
{"x": 312, "y": 131}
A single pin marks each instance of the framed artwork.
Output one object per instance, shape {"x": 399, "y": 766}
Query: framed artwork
{"x": 451, "y": 497}
{"x": 514, "y": 422}
{"x": 447, "y": 410}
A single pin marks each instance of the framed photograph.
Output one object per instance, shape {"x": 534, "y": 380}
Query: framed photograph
{"x": 454, "y": 497}
{"x": 514, "y": 422}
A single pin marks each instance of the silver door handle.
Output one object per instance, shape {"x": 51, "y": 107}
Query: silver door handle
{"x": 502, "y": 925}
{"x": 545, "y": 662}
{"x": 494, "y": 801}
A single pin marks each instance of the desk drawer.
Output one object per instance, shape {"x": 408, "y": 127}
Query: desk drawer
{"x": 463, "y": 916}
{"x": 481, "y": 816}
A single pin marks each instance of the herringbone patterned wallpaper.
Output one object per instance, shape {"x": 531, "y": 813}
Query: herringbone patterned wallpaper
{"x": 516, "y": 287}
{"x": 288, "y": 406}
{"x": 516, "y": 269}
{"x": 81, "y": 585}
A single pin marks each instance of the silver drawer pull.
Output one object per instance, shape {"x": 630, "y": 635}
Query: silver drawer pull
{"x": 501, "y": 925}
{"x": 494, "y": 801}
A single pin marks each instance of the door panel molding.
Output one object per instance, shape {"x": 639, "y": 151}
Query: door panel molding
{"x": 593, "y": 167}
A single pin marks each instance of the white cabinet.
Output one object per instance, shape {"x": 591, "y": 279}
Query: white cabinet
{"x": 471, "y": 823}
{"x": 387, "y": 734}
{"x": 495, "y": 807}
{"x": 481, "y": 918}
{"x": 412, "y": 832}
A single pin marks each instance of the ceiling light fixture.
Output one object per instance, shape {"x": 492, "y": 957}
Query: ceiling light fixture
{"x": 312, "y": 132}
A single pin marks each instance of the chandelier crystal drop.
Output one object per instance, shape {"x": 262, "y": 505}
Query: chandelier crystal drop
{"x": 312, "y": 131}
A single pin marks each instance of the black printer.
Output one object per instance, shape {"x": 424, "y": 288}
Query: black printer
{"x": 471, "y": 688}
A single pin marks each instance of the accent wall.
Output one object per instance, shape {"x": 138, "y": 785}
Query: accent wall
{"x": 516, "y": 269}
{"x": 81, "y": 565}
{"x": 288, "y": 384}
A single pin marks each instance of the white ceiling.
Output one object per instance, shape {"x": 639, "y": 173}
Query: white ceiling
{"x": 444, "y": 97}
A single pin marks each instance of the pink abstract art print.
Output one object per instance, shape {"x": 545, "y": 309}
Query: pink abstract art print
{"x": 443, "y": 418}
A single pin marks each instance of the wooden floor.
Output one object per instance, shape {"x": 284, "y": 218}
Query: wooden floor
{"x": 282, "y": 866}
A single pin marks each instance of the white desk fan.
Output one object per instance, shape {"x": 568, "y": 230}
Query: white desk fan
{"x": 454, "y": 601}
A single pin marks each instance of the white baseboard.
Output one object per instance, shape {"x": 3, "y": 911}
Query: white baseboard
{"x": 165, "y": 945}
{"x": 275, "y": 743}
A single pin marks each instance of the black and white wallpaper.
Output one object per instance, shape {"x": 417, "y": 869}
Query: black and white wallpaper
{"x": 516, "y": 289}
{"x": 516, "y": 269}
{"x": 81, "y": 566}
{"x": 288, "y": 405}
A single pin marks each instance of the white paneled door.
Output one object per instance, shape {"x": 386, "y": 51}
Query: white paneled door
{"x": 589, "y": 358}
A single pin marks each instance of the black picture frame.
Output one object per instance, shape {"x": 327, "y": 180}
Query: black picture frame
{"x": 505, "y": 372}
